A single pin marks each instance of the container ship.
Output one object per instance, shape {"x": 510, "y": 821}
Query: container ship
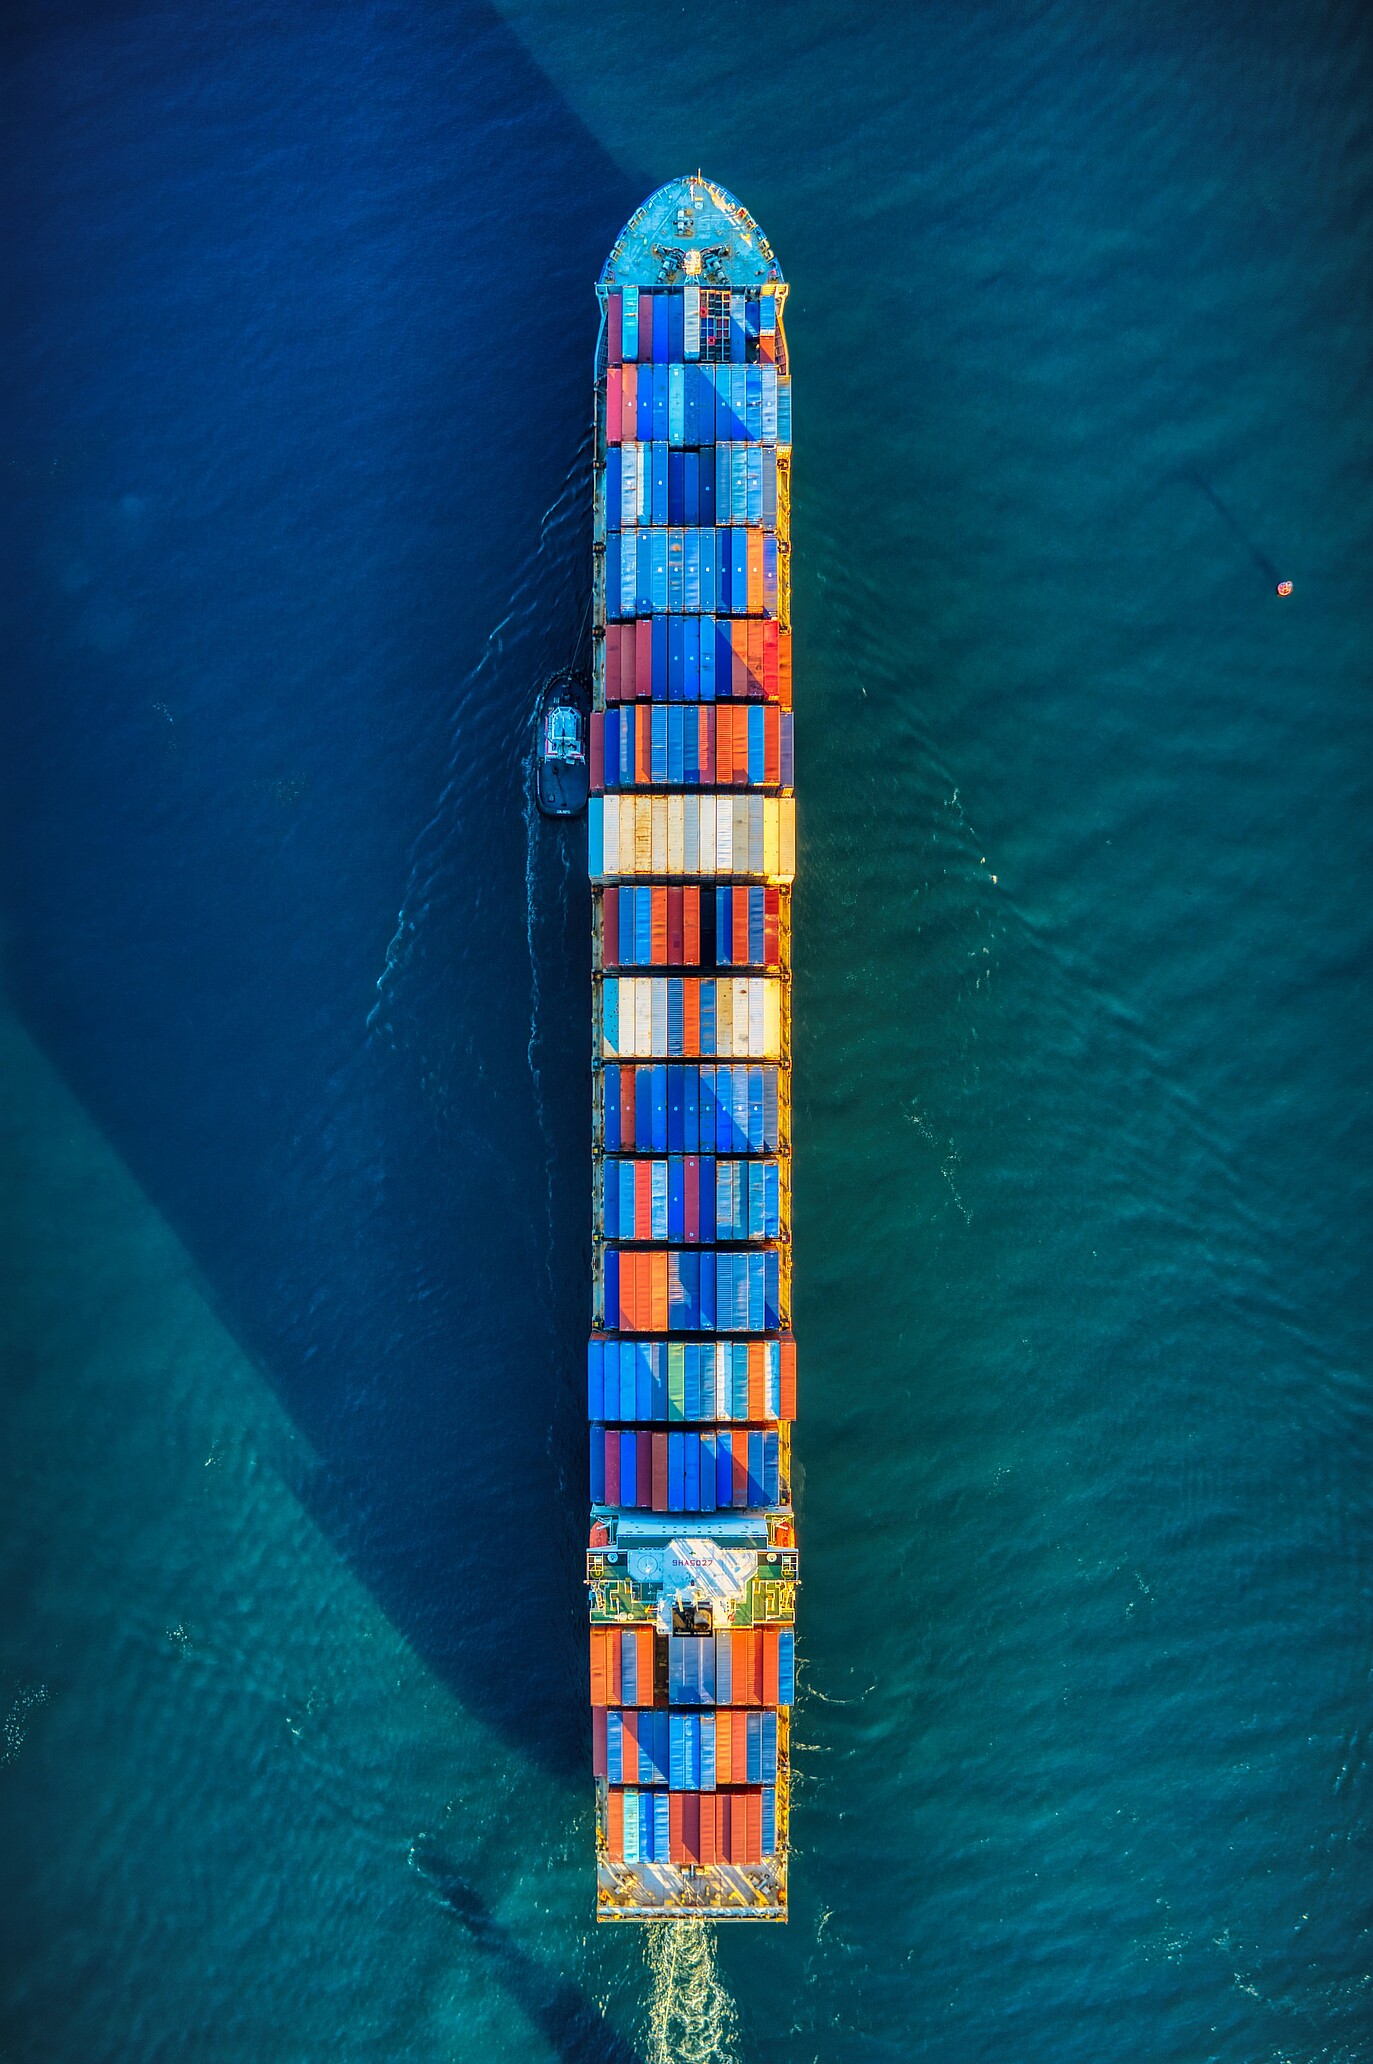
{"x": 692, "y": 1563}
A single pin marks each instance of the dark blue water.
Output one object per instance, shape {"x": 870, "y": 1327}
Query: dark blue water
{"x": 295, "y": 1066}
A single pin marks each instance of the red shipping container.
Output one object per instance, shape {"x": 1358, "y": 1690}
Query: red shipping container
{"x": 613, "y": 390}
{"x": 691, "y": 1197}
{"x": 615, "y": 1826}
{"x": 646, "y": 329}
{"x": 676, "y": 1846}
{"x": 658, "y": 923}
{"x": 772, "y": 945}
{"x": 611, "y": 1448}
{"x": 624, "y": 647}
{"x": 770, "y": 660}
{"x": 784, "y": 669}
{"x": 659, "y": 1472}
{"x": 770, "y": 1663}
{"x": 772, "y": 744}
{"x": 788, "y": 1346}
{"x": 600, "y": 1762}
{"x": 613, "y": 310}
{"x": 643, "y": 658}
{"x": 691, "y": 928}
{"x": 610, "y": 924}
{"x": 597, "y": 752}
{"x": 657, "y": 1322}
{"x": 643, "y": 1202}
{"x": 753, "y": 1840}
{"x": 643, "y": 1470}
{"x": 674, "y": 927}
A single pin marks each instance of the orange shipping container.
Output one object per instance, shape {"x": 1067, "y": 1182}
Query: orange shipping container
{"x": 690, "y": 929}
{"x": 709, "y": 1837}
{"x": 658, "y": 1314}
{"x": 755, "y": 572}
{"x": 602, "y": 1686}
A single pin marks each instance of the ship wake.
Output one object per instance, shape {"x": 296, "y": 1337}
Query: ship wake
{"x": 691, "y": 2017}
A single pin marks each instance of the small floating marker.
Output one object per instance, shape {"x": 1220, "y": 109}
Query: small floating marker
{"x": 1284, "y": 587}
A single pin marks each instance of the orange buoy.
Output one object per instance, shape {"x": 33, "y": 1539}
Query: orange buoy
{"x": 1284, "y": 587}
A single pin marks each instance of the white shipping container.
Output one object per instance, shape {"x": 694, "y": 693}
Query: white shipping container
{"x": 708, "y": 855}
{"x": 756, "y": 1028}
{"x": 724, "y": 835}
{"x": 772, "y": 1020}
{"x": 724, "y": 1017}
{"x": 691, "y": 320}
{"x": 786, "y": 854}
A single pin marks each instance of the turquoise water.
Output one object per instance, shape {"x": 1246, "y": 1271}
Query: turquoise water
{"x": 290, "y": 1652}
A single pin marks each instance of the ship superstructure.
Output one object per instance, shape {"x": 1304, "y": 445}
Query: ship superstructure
{"x": 692, "y": 1565}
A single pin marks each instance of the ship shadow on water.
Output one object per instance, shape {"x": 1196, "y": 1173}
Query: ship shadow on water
{"x": 569, "y": 2023}
{"x": 344, "y": 466}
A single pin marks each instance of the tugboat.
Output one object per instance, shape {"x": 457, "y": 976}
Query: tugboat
{"x": 562, "y": 773}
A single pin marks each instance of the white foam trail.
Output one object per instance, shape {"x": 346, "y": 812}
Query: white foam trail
{"x": 691, "y": 2018}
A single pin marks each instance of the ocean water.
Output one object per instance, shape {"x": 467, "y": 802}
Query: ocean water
{"x": 294, "y": 1067}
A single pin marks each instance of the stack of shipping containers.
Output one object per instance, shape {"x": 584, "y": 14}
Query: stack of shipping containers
{"x": 692, "y": 838}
